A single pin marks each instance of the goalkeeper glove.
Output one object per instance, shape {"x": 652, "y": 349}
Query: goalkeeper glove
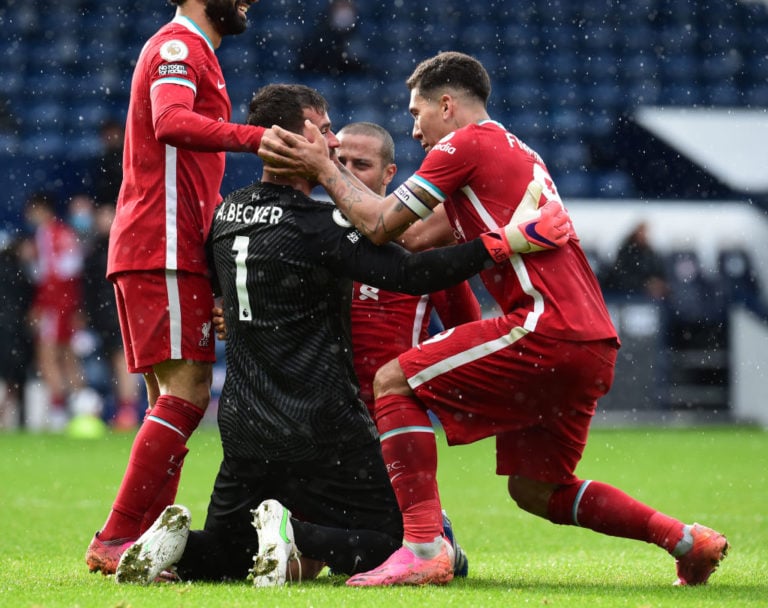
{"x": 531, "y": 228}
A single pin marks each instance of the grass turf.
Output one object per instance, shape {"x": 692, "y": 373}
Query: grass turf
{"x": 56, "y": 491}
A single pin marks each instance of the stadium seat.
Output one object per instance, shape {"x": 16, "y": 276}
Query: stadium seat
{"x": 640, "y": 66}
{"x": 722, "y": 65}
{"x": 694, "y": 302}
{"x": 46, "y": 114}
{"x": 615, "y": 184}
{"x": 44, "y": 145}
{"x": 739, "y": 280}
{"x": 645, "y": 92}
{"x": 521, "y": 94}
{"x": 573, "y": 183}
{"x": 83, "y": 145}
{"x": 679, "y": 68}
{"x": 724, "y": 94}
{"x": 517, "y": 36}
{"x": 756, "y": 96}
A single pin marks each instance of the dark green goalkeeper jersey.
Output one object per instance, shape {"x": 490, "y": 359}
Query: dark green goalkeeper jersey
{"x": 285, "y": 264}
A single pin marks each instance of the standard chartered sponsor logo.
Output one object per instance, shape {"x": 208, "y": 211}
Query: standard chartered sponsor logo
{"x": 244, "y": 213}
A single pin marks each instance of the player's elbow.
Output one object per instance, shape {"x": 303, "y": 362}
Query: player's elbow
{"x": 166, "y": 134}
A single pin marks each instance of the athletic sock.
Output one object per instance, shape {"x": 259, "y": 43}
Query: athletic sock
{"x": 608, "y": 510}
{"x": 166, "y": 496}
{"x": 426, "y": 550}
{"x": 410, "y": 453}
{"x": 156, "y": 457}
{"x": 344, "y": 551}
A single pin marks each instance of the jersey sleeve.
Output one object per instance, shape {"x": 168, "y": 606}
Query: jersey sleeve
{"x": 174, "y": 77}
{"x": 176, "y": 124}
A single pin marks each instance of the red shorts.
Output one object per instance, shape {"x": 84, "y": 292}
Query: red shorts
{"x": 56, "y": 307}
{"x": 537, "y": 395}
{"x": 164, "y": 315}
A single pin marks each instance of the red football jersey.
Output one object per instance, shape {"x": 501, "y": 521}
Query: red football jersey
{"x": 386, "y": 324}
{"x": 481, "y": 172}
{"x": 177, "y": 132}
{"x": 59, "y": 265}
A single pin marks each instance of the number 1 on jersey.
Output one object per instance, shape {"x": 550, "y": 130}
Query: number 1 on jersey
{"x": 240, "y": 247}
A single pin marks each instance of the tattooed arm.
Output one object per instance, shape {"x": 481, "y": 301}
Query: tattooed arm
{"x": 381, "y": 219}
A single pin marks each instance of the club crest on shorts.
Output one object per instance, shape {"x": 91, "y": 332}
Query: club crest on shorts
{"x": 206, "y": 332}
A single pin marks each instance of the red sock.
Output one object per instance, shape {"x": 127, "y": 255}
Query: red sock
{"x": 608, "y": 510}
{"x": 410, "y": 453}
{"x": 166, "y": 497}
{"x": 58, "y": 402}
{"x": 156, "y": 457}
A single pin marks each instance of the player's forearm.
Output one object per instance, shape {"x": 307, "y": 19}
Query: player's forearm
{"x": 440, "y": 268}
{"x": 183, "y": 128}
{"x": 377, "y": 218}
{"x": 435, "y": 231}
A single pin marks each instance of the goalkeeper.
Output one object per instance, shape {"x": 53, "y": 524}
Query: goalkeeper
{"x": 530, "y": 377}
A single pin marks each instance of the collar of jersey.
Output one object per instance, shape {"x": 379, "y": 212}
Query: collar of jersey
{"x": 193, "y": 27}
{"x": 493, "y": 122}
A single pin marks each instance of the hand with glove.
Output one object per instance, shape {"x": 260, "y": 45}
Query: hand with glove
{"x": 531, "y": 228}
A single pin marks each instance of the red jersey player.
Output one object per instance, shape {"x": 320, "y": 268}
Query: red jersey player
{"x": 177, "y": 133}
{"x": 530, "y": 377}
{"x": 387, "y": 323}
{"x": 57, "y": 301}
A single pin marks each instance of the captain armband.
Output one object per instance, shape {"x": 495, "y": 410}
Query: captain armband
{"x": 408, "y": 197}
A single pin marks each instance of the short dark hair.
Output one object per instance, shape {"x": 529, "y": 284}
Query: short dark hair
{"x": 371, "y": 129}
{"x": 284, "y": 105}
{"x": 451, "y": 69}
{"x": 42, "y": 198}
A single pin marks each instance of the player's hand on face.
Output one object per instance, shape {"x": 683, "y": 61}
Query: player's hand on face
{"x": 290, "y": 154}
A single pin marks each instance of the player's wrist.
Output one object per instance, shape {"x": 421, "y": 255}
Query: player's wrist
{"x": 328, "y": 172}
{"x": 497, "y": 245}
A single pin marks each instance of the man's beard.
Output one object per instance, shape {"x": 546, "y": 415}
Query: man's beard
{"x": 225, "y": 17}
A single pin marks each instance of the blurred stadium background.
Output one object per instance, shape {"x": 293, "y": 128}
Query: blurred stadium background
{"x": 595, "y": 87}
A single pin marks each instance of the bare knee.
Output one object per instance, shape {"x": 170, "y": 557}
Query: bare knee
{"x": 187, "y": 380}
{"x": 390, "y": 380}
{"x": 530, "y": 495}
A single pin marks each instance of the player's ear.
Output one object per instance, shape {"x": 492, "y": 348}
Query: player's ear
{"x": 389, "y": 173}
{"x": 446, "y": 104}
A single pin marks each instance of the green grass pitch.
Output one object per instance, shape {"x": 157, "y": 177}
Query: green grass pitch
{"x": 56, "y": 491}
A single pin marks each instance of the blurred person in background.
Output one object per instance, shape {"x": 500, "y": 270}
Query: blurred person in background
{"x": 123, "y": 387}
{"x": 17, "y": 352}
{"x": 638, "y": 269}
{"x": 106, "y": 179}
{"x": 107, "y": 172}
{"x": 57, "y": 304}
{"x": 177, "y": 132}
{"x": 334, "y": 47}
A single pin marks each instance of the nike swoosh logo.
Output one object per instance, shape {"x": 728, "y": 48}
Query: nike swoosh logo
{"x": 530, "y": 230}
{"x": 221, "y": 85}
